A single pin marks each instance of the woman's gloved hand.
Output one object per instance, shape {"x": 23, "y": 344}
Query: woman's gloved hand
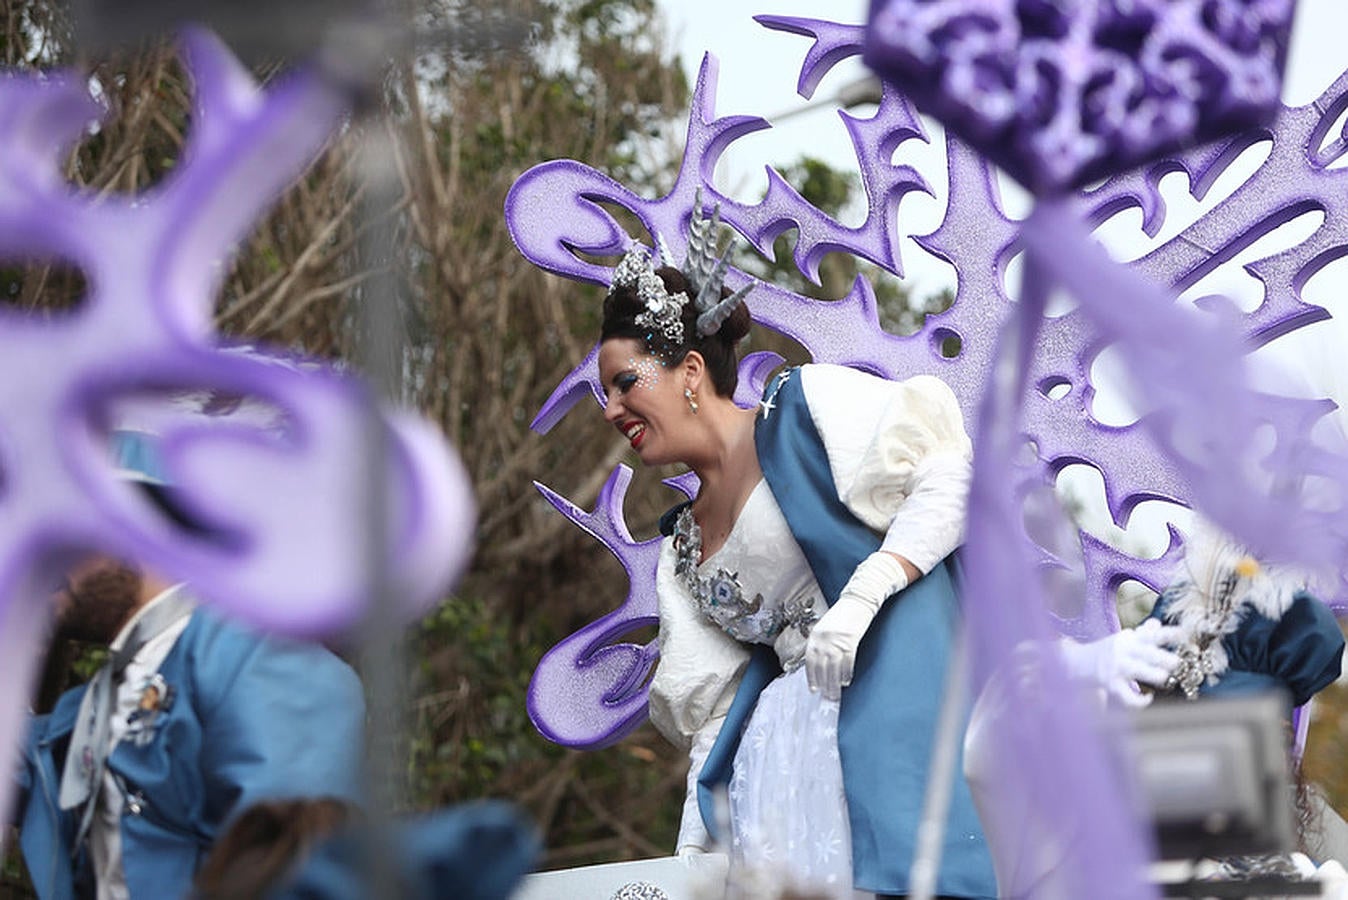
{"x": 1118, "y": 662}
{"x": 831, "y": 651}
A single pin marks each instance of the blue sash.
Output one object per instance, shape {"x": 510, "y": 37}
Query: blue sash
{"x": 888, "y": 715}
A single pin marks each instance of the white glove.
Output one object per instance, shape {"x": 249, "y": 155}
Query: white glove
{"x": 831, "y": 650}
{"x": 1119, "y": 661}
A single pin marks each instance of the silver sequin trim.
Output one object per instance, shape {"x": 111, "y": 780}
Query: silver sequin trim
{"x": 721, "y": 599}
{"x": 639, "y": 890}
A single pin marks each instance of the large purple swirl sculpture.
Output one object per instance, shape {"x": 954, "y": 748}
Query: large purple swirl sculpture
{"x": 287, "y": 501}
{"x": 1194, "y": 445}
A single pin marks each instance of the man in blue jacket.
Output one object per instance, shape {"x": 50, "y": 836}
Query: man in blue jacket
{"x": 128, "y": 781}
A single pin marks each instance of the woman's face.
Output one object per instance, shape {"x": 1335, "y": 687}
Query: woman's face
{"x": 644, "y": 400}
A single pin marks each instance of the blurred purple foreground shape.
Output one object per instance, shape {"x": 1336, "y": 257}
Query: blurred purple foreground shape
{"x": 290, "y": 499}
{"x": 1061, "y": 93}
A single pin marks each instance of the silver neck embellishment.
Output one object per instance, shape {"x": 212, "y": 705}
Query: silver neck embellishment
{"x": 720, "y": 597}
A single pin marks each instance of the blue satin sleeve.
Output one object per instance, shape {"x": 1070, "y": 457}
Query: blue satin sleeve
{"x": 289, "y": 723}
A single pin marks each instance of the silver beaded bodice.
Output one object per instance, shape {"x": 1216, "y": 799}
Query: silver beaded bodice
{"x": 758, "y": 587}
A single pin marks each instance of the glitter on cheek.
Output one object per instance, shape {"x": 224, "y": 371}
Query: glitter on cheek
{"x": 648, "y": 372}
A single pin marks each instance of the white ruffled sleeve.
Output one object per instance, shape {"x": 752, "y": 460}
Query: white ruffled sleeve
{"x": 699, "y": 667}
{"x": 900, "y": 456}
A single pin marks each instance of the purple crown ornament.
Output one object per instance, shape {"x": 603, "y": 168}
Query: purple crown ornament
{"x": 1061, "y": 93}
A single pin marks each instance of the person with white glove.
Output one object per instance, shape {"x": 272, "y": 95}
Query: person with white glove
{"x": 839, "y": 488}
{"x": 831, "y": 651}
{"x": 1119, "y": 662}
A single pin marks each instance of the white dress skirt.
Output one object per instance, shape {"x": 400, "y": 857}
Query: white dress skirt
{"x": 788, "y": 813}
{"x": 787, "y": 810}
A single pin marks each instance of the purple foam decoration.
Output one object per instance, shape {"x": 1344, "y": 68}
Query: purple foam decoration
{"x": 976, "y": 236}
{"x": 1295, "y": 179}
{"x": 978, "y": 239}
{"x": 587, "y": 691}
{"x": 548, "y": 238}
{"x": 580, "y": 381}
{"x": 754, "y": 371}
{"x": 1059, "y": 94}
{"x": 1106, "y": 569}
{"x": 1205, "y": 416}
{"x": 289, "y": 499}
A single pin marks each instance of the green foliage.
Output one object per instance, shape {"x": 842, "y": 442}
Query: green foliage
{"x": 473, "y": 738}
{"x": 14, "y": 881}
{"x": 494, "y": 336}
{"x": 87, "y": 660}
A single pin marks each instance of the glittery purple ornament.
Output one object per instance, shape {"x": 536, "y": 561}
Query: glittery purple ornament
{"x": 587, "y": 692}
{"x": 1060, "y": 93}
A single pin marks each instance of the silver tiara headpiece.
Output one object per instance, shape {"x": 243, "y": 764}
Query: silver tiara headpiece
{"x": 663, "y": 315}
{"x": 705, "y": 273}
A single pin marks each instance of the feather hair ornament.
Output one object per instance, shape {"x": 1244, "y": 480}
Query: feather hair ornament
{"x": 1220, "y": 583}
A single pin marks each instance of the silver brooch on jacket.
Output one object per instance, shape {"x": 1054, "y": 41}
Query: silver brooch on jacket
{"x": 156, "y": 699}
{"x": 769, "y": 401}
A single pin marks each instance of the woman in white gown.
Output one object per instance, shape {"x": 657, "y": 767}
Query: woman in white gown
{"x": 814, "y": 553}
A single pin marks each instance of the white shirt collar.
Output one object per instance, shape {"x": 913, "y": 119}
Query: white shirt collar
{"x": 120, "y": 641}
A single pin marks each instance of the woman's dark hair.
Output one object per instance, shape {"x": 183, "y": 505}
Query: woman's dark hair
{"x": 266, "y": 843}
{"x": 622, "y": 306}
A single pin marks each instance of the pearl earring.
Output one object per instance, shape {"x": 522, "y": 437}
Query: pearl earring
{"x": 691, "y": 398}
